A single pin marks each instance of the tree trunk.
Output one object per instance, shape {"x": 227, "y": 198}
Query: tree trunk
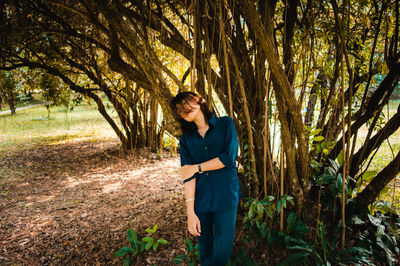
{"x": 380, "y": 181}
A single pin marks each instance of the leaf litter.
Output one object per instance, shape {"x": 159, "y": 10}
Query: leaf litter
{"x": 72, "y": 203}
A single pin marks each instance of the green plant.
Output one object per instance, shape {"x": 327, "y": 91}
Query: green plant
{"x": 240, "y": 257}
{"x": 137, "y": 246}
{"x": 378, "y": 233}
{"x": 192, "y": 256}
{"x": 329, "y": 180}
{"x": 323, "y": 251}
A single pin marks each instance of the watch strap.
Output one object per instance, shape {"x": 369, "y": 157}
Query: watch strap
{"x": 200, "y": 171}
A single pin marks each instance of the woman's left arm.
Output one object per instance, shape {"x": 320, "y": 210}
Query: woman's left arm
{"x": 190, "y": 169}
{"x": 226, "y": 158}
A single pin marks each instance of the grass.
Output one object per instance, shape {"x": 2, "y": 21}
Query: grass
{"x": 386, "y": 153}
{"x": 31, "y": 126}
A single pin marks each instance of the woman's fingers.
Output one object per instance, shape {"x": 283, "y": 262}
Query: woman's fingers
{"x": 198, "y": 227}
{"x": 194, "y": 228}
{"x": 194, "y": 225}
{"x": 193, "y": 231}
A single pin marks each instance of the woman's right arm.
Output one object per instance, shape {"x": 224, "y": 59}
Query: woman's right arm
{"x": 190, "y": 188}
{"x": 193, "y": 221}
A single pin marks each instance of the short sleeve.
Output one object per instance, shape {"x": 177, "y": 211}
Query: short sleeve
{"x": 185, "y": 156}
{"x": 231, "y": 146}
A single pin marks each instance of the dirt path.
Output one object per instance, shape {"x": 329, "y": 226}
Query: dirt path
{"x": 23, "y": 108}
{"x": 71, "y": 204}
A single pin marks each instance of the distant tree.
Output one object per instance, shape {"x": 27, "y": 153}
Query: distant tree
{"x": 8, "y": 89}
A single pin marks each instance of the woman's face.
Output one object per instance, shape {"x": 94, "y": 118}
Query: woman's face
{"x": 188, "y": 110}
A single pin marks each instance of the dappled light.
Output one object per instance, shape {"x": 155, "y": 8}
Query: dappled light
{"x": 68, "y": 211}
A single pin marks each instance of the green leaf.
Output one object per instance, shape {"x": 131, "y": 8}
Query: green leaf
{"x": 300, "y": 228}
{"x": 180, "y": 258}
{"x": 149, "y": 242}
{"x": 318, "y": 138}
{"x": 357, "y": 220}
{"x": 155, "y": 245}
{"x": 189, "y": 244}
{"x": 147, "y": 239}
{"x": 263, "y": 229}
{"x": 290, "y": 220}
{"x": 290, "y": 199}
{"x": 307, "y": 128}
{"x": 260, "y": 212}
{"x": 252, "y": 210}
{"x": 142, "y": 246}
{"x": 339, "y": 159}
{"x": 162, "y": 241}
{"x": 148, "y": 245}
{"x": 368, "y": 175}
{"x": 279, "y": 206}
{"x": 325, "y": 179}
{"x": 132, "y": 237}
{"x": 315, "y": 131}
{"x": 374, "y": 220}
{"x": 127, "y": 262}
{"x": 296, "y": 259}
{"x": 335, "y": 165}
{"x": 305, "y": 248}
{"x": 123, "y": 251}
{"x": 153, "y": 230}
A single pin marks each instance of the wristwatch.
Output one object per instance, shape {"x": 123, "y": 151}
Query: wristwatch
{"x": 200, "y": 171}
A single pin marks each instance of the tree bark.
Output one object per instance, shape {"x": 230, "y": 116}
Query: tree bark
{"x": 372, "y": 190}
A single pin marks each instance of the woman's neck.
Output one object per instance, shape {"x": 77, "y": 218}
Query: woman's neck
{"x": 200, "y": 121}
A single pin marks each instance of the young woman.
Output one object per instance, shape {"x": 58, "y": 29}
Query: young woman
{"x": 208, "y": 151}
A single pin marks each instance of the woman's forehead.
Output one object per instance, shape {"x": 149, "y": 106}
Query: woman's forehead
{"x": 186, "y": 103}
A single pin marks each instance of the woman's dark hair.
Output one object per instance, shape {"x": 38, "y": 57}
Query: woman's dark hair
{"x": 183, "y": 99}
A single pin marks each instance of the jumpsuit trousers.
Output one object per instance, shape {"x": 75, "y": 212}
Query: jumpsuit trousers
{"x": 217, "y": 236}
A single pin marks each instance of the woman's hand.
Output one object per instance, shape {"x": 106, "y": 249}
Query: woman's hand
{"x": 194, "y": 224}
{"x": 188, "y": 170}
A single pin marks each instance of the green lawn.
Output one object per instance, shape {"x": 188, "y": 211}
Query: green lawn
{"x": 31, "y": 126}
{"x": 387, "y": 151}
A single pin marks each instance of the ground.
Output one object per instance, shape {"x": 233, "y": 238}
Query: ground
{"x": 72, "y": 203}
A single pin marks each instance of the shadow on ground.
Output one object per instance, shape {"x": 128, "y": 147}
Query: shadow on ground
{"x": 72, "y": 203}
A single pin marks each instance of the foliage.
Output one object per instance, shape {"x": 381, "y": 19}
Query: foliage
{"x": 54, "y": 91}
{"x": 192, "y": 256}
{"x": 261, "y": 225}
{"x": 329, "y": 181}
{"x": 324, "y": 251}
{"x": 136, "y": 246}
{"x": 378, "y": 233}
{"x": 239, "y": 257}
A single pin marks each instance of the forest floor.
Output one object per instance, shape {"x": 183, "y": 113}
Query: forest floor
{"x": 72, "y": 203}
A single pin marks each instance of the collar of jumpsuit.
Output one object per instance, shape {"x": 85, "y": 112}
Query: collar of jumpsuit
{"x": 216, "y": 190}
